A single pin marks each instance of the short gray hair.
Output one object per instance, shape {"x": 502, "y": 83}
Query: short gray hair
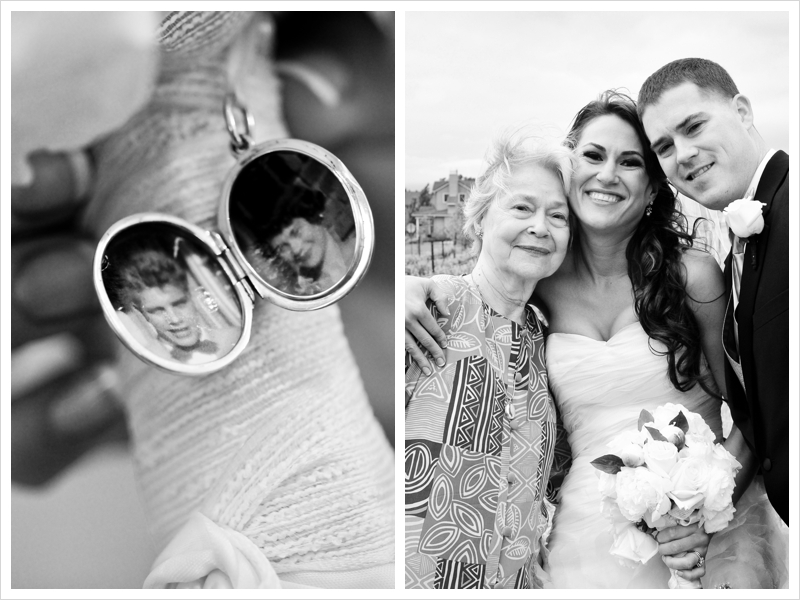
{"x": 507, "y": 152}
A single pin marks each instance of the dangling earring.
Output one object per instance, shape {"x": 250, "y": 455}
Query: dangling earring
{"x": 649, "y": 210}
{"x": 480, "y": 233}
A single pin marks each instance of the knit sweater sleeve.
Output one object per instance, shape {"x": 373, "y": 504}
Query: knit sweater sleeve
{"x": 282, "y": 445}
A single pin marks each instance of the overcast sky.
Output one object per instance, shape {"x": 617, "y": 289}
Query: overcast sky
{"x": 470, "y": 75}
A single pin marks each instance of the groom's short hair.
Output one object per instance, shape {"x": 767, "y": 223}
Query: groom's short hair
{"x": 705, "y": 74}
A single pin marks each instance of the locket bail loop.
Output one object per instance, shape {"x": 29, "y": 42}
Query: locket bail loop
{"x": 241, "y": 141}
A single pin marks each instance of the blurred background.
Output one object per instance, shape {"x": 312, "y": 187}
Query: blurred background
{"x": 78, "y": 523}
{"x": 471, "y": 75}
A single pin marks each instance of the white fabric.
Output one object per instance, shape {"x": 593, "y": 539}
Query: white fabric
{"x": 600, "y": 389}
{"x": 204, "y": 555}
{"x": 738, "y": 247}
{"x": 751, "y": 190}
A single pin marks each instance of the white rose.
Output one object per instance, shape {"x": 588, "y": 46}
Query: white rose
{"x": 674, "y": 435}
{"x": 719, "y": 489}
{"x": 639, "y": 490}
{"x": 724, "y": 459}
{"x": 699, "y": 449}
{"x": 698, "y": 429}
{"x": 666, "y": 412}
{"x": 628, "y": 446}
{"x": 717, "y": 521}
{"x": 607, "y": 484}
{"x": 662, "y": 522}
{"x": 660, "y": 457}
{"x": 688, "y": 479}
{"x": 744, "y": 217}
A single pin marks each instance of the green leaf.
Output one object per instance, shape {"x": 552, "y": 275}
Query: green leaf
{"x": 644, "y": 418}
{"x": 656, "y": 434}
{"x": 608, "y": 463}
{"x": 680, "y": 422}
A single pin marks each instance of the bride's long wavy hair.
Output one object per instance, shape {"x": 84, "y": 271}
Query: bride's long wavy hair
{"x": 654, "y": 254}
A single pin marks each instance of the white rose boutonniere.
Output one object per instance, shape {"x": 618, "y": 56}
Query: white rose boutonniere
{"x": 744, "y": 217}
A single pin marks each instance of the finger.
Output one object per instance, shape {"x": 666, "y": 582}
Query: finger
{"x": 428, "y": 322}
{"x": 51, "y": 286}
{"x": 698, "y": 540}
{"x": 55, "y": 425}
{"x": 60, "y": 185}
{"x": 684, "y": 561}
{"x": 693, "y": 574}
{"x": 439, "y": 298}
{"x": 675, "y": 533}
{"x": 417, "y": 355}
{"x": 43, "y": 360}
{"x": 421, "y": 335}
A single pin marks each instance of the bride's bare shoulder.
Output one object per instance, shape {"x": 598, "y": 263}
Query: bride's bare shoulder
{"x": 703, "y": 275}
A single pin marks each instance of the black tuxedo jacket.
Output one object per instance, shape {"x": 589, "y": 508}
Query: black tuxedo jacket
{"x": 762, "y": 413}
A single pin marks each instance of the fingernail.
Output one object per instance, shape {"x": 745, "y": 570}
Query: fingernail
{"x": 426, "y": 371}
{"x": 440, "y": 362}
{"x": 56, "y": 283}
{"x": 89, "y": 404}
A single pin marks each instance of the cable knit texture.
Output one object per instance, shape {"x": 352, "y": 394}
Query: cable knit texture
{"x": 281, "y": 446}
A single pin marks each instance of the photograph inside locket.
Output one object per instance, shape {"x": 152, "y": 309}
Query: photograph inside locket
{"x": 171, "y": 296}
{"x": 294, "y": 222}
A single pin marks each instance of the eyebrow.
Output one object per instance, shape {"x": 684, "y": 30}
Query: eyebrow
{"x": 626, "y": 153}
{"x": 680, "y": 126}
{"x": 532, "y": 199}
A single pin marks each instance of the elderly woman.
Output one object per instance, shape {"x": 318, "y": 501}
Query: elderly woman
{"x": 480, "y": 429}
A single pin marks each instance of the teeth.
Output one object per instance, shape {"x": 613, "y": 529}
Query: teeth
{"x": 603, "y": 197}
{"x": 700, "y": 172}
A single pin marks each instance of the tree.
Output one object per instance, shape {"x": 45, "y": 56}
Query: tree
{"x": 424, "y": 197}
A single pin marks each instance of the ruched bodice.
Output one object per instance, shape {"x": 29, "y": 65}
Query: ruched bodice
{"x": 600, "y": 388}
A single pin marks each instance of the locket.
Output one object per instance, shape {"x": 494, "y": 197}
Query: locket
{"x": 294, "y": 227}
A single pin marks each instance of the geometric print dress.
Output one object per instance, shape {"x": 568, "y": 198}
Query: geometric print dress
{"x": 479, "y": 442}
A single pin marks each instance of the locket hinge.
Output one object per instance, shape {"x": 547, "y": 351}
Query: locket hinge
{"x": 233, "y": 265}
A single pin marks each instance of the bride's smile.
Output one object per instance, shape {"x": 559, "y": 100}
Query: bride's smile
{"x": 610, "y": 186}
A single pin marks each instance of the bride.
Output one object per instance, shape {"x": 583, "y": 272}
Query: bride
{"x": 635, "y": 315}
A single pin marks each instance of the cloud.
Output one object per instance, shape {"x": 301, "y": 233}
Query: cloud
{"x": 471, "y": 74}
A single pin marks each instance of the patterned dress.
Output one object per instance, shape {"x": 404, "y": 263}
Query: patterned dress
{"x": 480, "y": 436}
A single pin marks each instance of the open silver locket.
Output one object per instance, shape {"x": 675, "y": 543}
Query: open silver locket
{"x": 294, "y": 227}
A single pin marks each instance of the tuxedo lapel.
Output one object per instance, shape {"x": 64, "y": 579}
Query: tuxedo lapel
{"x": 773, "y": 176}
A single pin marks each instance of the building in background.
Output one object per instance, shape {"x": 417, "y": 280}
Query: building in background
{"x": 435, "y": 211}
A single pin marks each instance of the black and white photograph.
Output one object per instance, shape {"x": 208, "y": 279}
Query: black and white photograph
{"x": 171, "y": 297}
{"x": 597, "y": 299}
{"x": 142, "y": 456}
{"x": 212, "y": 218}
{"x": 295, "y": 221}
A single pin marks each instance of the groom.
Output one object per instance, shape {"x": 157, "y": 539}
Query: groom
{"x": 701, "y": 128}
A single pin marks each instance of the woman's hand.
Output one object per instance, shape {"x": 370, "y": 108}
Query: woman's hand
{"x": 421, "y": 326}
{"x": 677, "y": 546}
{"x": 62, "y": 401}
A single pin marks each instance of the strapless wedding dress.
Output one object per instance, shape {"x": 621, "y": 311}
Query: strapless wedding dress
{"x": 600, "y": 388}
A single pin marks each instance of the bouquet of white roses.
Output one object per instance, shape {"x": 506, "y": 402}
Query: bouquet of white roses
{"x": 667, "y": 472}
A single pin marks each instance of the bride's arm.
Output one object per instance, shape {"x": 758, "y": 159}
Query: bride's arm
{"x": 706, "y": 289}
